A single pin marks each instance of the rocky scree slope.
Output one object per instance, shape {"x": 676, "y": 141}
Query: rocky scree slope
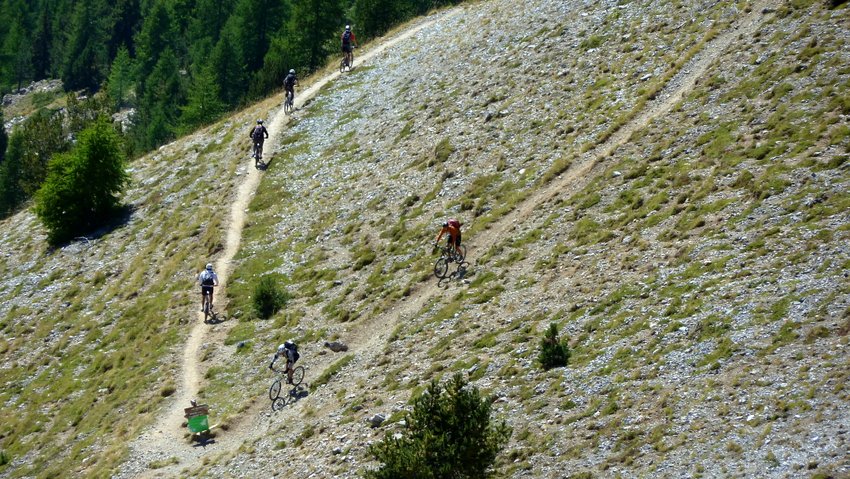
{"x": 699, "y": 268}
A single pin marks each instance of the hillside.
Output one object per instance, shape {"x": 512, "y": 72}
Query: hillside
{"x": 665, "y": 180}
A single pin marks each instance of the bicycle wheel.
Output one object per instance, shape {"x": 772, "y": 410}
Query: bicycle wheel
{"x": 460, "y": 254}
{"x": 278, "y": 403}
{"x": 441, "y": 267}
{"x": 274, "y": 391}
{"x": 297, "y": 375}
{"x": 287, "y": 106}
{"x": 342, "y": 65}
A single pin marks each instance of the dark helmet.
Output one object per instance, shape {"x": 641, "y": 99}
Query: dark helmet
{"x": 259, "y": 122}
{"x": 445, "y": 224}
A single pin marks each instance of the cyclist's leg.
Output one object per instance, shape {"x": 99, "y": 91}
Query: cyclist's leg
{"x": 289, "y": 371}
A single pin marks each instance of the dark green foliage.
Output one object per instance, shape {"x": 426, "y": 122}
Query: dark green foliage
{"x": 86, "y": 54}
{"x": 11, "y": 192}
{"x": 31, "y": 147}
{"x": 157, "y": 117}
{"x": 449, "y": 435}
{"x": 314, "y": 23}
{"x": 269, "y": 298}
{"x": 4, "y": 140}
{"x": 204, "y": 102}
{"x": 181, "y": 63}
{"x": 554, "y": 353}
{"x": 82, "y": 186}
{"x": 120, "y": 78}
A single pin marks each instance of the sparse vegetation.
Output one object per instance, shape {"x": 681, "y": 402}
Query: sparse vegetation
{"x": 554, "y": 352}
{"x": 269, "y": 297}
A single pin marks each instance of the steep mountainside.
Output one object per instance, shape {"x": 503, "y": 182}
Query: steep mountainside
{"x": 665, "y": 180}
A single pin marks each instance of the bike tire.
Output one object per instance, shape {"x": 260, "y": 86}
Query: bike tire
{"x": 461, "y": 254}
{"x": 287, "y": 107}
{"x": 297, "y": 376}
{"x": 274, "y": 390}
{"x": 441, "y": 268}
{"x": 278, "y": 403}
{"x": 342, "y": 65}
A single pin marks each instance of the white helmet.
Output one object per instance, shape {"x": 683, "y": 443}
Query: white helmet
{"x": 292, "y": 71}
{"x": 281, "y": 348}
{"x": 209, "y": 266}
{"x": 348, "y": 28}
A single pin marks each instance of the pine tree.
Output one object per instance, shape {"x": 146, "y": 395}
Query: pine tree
{"x": 449, "y": 436}
{"x": 11, "y": 193}
{"x": 83, "y": 186}
{"x": 157, "y": 35}
{"x": 314, "y": 24}
{"x": 86, "y": 54}
{"x": 157, "y": 106}
{"x": 17, "y": 48}
{"x": 228, "y": 68}
{"x": 120, "y": 78}
{"x": 554, "y": 353}
{"x": 204, "y": 103}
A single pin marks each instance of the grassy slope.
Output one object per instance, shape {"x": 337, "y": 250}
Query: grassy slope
{"x": 680, "y": 261}
{"x": 89, "y": 329}
{"x": 715, "y": 219}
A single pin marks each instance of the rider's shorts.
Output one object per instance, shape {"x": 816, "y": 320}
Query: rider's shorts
{"x": 449, "y": 235}
{"x": 346, "y": 48}
{"x": 206, "y": 289}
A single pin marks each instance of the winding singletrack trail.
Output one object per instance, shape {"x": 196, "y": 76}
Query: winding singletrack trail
{"x": 165, "y": 439}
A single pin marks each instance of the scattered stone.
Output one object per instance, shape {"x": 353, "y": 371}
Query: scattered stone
{"x": 377, "y": 420}
{"x": 336, "y": 346}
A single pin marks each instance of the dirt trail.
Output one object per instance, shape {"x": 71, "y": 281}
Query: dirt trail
{"x": 591, "y": 163}
{"x": 165, "y": 439}
{"x": 368, "y": 338}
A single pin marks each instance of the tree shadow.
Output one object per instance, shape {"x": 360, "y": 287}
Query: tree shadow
{"x": 119, "y": 218}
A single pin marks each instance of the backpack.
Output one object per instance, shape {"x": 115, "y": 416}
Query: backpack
{"x": 207, "y": 279}
{"x": 257, "y": 134}
{"x": 454, "y": 223}
{"x": 346, "y": 38}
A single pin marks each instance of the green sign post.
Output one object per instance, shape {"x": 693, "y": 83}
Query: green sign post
{"x": 198, "y": 418}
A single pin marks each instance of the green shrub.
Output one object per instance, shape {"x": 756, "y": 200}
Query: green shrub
{"x": 449, "y": 435}
{"x": 553, "y": 353}
{"x": 269, "y": 298}
{"x": 82, "y": 186}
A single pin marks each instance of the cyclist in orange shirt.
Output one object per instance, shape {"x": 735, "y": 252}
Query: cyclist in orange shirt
{"x": 452, "y": 229}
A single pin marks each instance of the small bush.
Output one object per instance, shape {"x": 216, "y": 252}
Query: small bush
{"x": 449, "y": 435}
{"x": 269, "y": 298}
{"x": 553, "y": 353}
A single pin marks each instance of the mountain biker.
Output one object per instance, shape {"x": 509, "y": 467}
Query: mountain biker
{"x": 348, "y": 40}
{"x": 289, "y": 85}
{"x": 207, "y": 279}
{"x": 258, "y": 136}
{"x": 452, "y": 229}
{"x": 289, "y": 350}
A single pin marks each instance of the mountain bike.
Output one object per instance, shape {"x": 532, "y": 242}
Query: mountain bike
{"x": 208, "y": 306}
{"x": 258, "y": 151}
{"x": 288, "y": 104}
{"x": 347, "y": 60}
{"x": 277, "y": 385}
{"x": 447, "y": 256}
